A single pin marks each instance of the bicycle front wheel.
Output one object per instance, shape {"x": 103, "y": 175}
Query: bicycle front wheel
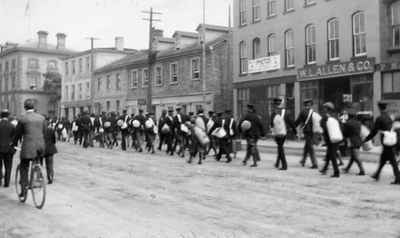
{"x": 18, "y": 187}
{"x": 38, "y": 186}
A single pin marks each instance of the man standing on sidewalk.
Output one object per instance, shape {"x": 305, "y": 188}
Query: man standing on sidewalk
{"x": 384, "y": 123}
{"x": 7, "y": 133}
{"x": 305, "y": 119}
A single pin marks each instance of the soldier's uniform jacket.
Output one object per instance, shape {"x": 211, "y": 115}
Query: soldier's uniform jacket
{"x": 7, "y": 134}
{"x": 256, "y": 130}
{"x": 302, "y": 119}
{"x": 382, "y": 123}
{"x": 352, "y": 131}
{"x": 50, "y": 142}
{"x": 31, "y": 128}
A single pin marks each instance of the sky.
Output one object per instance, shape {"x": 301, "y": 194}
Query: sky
{"x": 104, "y": 19}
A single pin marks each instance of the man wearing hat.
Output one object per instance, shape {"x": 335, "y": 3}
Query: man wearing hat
{"x": 384, "y": 124}
{"x": 280, "y": 123}
{"x": 332, "y": 146}
{"x": 225, "y": 143}
{"x": 161, "y": 134}
{"x": 7, "y": 134}
{"x": 179, "y": 122}
{"x": 123, "y": 126}
{"x": 170, "y": 131}
{"x": 150, "y": 133}
{"x": 211, "y": 126}
{"x": 305, "y": 120}
{"x": 138, "y": 131}
{"x": 30, "y": 130}
{"x": 86, "y": 127}
{"x": 252, "y": 132}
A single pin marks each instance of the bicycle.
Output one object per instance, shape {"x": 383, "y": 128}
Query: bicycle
{"x": 36, "y": 184}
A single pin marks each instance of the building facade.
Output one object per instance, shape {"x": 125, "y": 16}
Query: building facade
{"x": 177, "y": 75}
{"x": 77, "y": 84}
{"x": 22, "y": 73}
{"x": 334, "y": 50}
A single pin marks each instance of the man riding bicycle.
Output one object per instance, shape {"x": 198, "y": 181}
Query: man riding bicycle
{"x": 30, "y": 129}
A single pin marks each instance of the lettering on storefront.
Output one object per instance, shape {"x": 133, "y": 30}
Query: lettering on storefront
{"x": 337, "y": 69}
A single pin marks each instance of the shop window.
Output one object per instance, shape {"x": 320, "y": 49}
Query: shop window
{"x": 333, "y": 39}
{"x": 108, "y": 106}
{"x": 256, "y": 48}
{"x": 395, "y": 9}
{"x": 310, "y": 44}
{"x": 117, "y": 105}
{"x": 289, "y": 48}
{"x": 271, "y": 8}
{"x": 243, "y": 57}
{"x": 271, "y": 45}
{"x": 391, "y": 82}
{"x": 256, "y": 10}
{"x": 359, "y": 34}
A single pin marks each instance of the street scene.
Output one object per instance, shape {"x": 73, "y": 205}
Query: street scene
{"x": 199, "y": 118}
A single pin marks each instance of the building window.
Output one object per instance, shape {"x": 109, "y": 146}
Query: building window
{"x": 73, "y": 92}
{"x": 174, "y": 73}
{"x": 66, "y": 93}
{"x": 134, "y": 79}
{"x": 108, "y": 82}
{"x": 80, "y": 91}
{"x": 271, "y": 45}
{"x": 310, "y": 44}
{"x": 98, "y": 84}
{"x": 13, "y": 80}
{"x": 80, "y": 66}
{"x": 33, "y": 64}
{"x": 359, "y": 34}
{"x": 87, "y": 64}
{"x": 13, "y": 65}
{"x": 391, "y": 82}
{"x": 309, "y": 2}
{"x": 52, "y": 65}
{"x": 289, "y": 5}
{"x": 66, "y": 68}
{"x": 333, "y": 39}
{"x": 87, "y": 90}
{"x": 33, "y": 79}
{"x": 271, "y": 8}
{"x": 256, "y": 48}
{"x": 255, "y": 6}
{"x": 118, "y": 81}
{"x": 158, "y": 75}
{"x": 395, "y": 7}
{"x": 108, "y": 106}
{"x": 195, "y": 68}
{"x": 243, "y": 57}
{"x": 73, "y": 67}
{"x": 117, "y": 105}
{"x": 243, "y": 12}
{"x": 289, "y": 48}
{"x": 145, "y": 78}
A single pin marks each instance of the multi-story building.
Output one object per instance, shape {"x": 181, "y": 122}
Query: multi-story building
{"x": 22, "y": 73}
{"x": 77, "y": 89}
{"x": 177, "y": 77}
{"x": 337, "y": 50}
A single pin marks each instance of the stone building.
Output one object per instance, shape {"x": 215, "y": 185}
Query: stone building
{"x": 339, "y": 50}
{"x": 77, "y": 88}
{"x": 177, "y": 76}
{"x": 22, "y": 73}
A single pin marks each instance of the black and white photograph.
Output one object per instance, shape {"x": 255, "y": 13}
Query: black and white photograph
{"x": 199, "y": 118}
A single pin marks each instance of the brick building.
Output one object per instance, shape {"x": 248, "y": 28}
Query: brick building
{"x": 335, "y": 50}
{"x": 177, "y": 74}
{"x": 22, "y": 70}
{"x": 77, "y": 88}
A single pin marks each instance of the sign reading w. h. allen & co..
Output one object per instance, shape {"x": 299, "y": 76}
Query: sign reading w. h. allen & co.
{"x": 358, "y": 66}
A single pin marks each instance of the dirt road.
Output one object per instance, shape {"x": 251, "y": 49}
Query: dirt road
{"x": 100, "y": 193}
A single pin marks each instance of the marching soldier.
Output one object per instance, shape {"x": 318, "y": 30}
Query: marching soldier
{"x": 384, "y": 124}
{"x": 7, "y": 151}
{"x": 150, "y": 132}
{"x": 169, "y": 130}
{"x": 161, "y": 134}
{"x": 99, "y": 128}
{"x": 226, "y": 143}
{"x": 199, "y": 137}
{"x": 86, "y": 127}
{"x": 211, "y": 125}
{"x": 180, "y": 131}
{"x": 123, "y": 126}
{"x": 252, "y": 129}
{"x": 49, "y": 152}
{"x": 138, "y": 126}
{"x": 280, "y": 123}
{"x": 305, "y": 119}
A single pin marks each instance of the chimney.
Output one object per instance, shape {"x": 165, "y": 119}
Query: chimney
{"x": 119, "y": 43}
{"x": 61, "y": 41}
{"x": 158, "y": 33}
{"x": 42, "y": 35}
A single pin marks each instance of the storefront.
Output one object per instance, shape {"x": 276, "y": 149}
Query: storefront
{"x": 391, "y": 86}
{"x": 342, "y": 83}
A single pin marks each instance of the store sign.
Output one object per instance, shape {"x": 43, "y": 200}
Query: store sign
{"x": 265, "y": 64}
{"x": 337, "y": 69}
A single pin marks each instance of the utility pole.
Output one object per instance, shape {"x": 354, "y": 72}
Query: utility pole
{"x": 151, "y": 57}
{"x": 92, "y": 40}
{"x": 203, "y": 42}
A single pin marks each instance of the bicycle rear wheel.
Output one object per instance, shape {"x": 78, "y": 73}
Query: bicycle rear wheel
{"x": 18, "y": 187}
{"x": 38, "y": 186}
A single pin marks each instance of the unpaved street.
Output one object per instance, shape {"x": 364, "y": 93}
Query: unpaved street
{"x": 103, "y": 193}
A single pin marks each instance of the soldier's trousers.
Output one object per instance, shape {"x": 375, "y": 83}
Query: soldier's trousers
{"x": 309, "y": 150}
{"x": 225, "y": 147}
{"x": 124, "y": 142}
{"x": 355, "y": 158}
{"x": 49, "y": 159}
{"x": 331, "y": 156}
{"x": 252, "y": 150}
{"x": 6, "y": 160}
{"x": 281, "y": 157}
{"x": 388, "y": 155}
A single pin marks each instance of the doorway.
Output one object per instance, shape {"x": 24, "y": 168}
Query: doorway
{"x": 333, "y": 90}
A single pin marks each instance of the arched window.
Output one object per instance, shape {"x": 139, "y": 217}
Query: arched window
{"x": 333, "y": 39}
{"x": 289, "y": 48}
{"x": 310, "y": 44}
{"x": 243, "y": 57}
{"x": 359, "y": 34}
{"x": 256, "y": 9}
{"x": 271, "y": 45}
{"x": 395, "y": 10}
{"x": 256, "y": 48}
{"x": 243, "y": 12}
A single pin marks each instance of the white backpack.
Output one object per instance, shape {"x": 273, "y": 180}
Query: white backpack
{"x": 334, "y": 131}
{"x": 279, "y": 125}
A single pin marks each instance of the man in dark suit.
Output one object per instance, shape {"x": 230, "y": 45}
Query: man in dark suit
{"x": 161, "y": 134}
{"x": 169, "y": 122}
{"x": 226, "y": 143}
{"x": 50, "y": 151}
{"x": 280, "y": 136}
{"x": 179, "y": 120}
{"x": 7, "y": 134}
{"x": 139, "y": 131}
{"x": 384, "y": 123}
{"x": 30, "y": 129}
{"x": 352, "y": 131}
{"x": 305, "y": 120}
{"x": 86, "y": 127}
{"x": 252, "y": 134}
{"x": 124, "y": 119}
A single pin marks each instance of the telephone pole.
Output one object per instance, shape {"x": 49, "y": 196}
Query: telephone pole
{"x": 92, "y": 40}
{"x": 203, "y": 42}
{"x": 151, "y": 57}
